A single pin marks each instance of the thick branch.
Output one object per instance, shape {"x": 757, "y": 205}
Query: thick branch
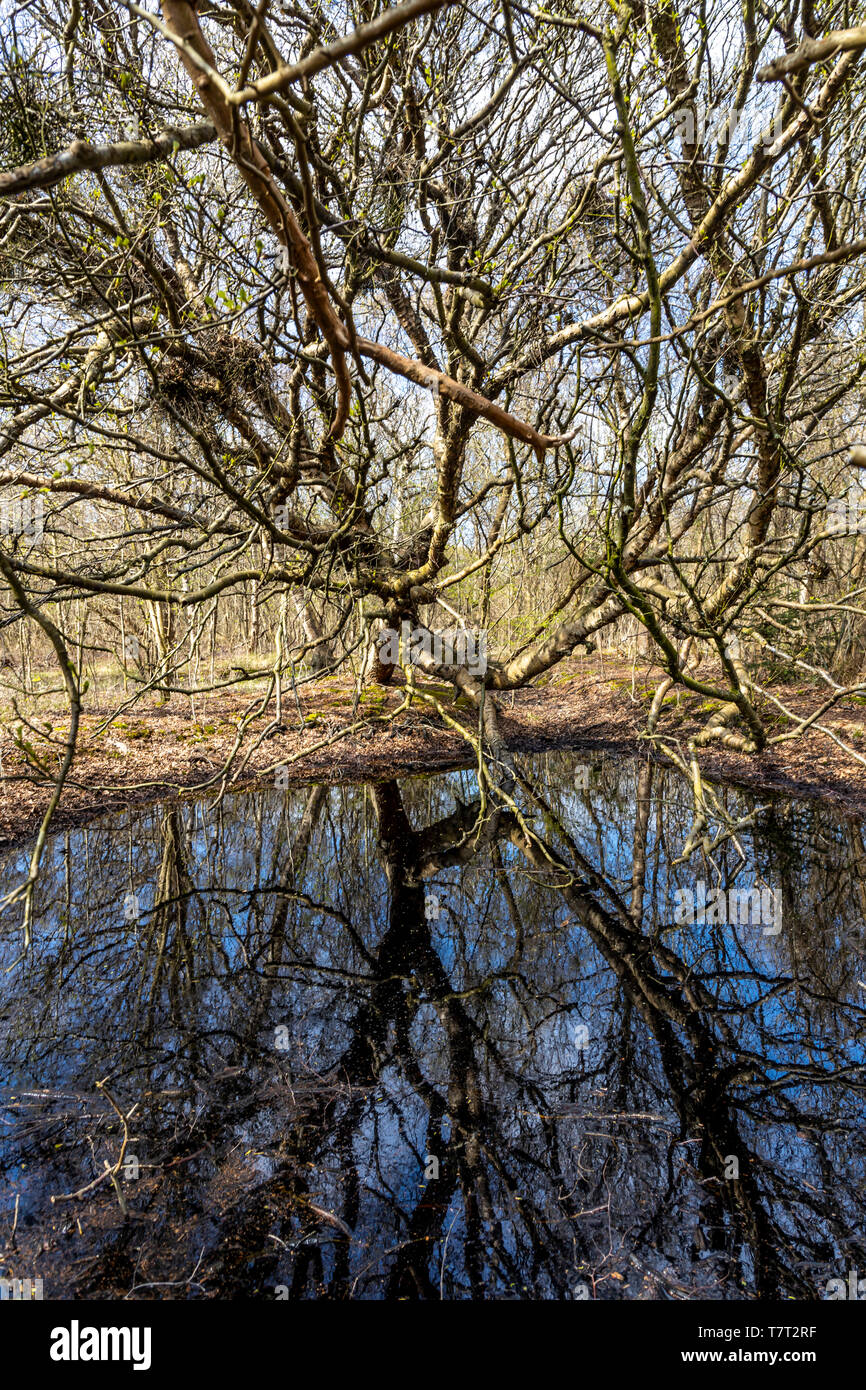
{"x": 82, "y": 155}
{"x": 814, "y": 51}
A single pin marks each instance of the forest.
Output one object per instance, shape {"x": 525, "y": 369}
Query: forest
{"x": 433, "y": 623}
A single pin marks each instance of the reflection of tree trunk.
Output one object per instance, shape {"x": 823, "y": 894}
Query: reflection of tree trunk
{"x": 412, "y": 953}
{"x": 167, "y": 926}
{"x": 678, "y": 1011}
{"x": 642, "y": 810}
{"x": 297, "y": 854}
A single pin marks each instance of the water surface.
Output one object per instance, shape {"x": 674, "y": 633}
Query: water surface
{"x": 366, "y": 1049}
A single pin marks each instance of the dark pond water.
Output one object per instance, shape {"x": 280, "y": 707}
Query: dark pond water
{"x": 365, "y": 1051}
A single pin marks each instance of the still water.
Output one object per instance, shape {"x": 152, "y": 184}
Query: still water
{"x": 352, "y": 1042}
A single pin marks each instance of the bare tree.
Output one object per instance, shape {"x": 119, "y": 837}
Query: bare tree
{"x": 388, "y": 314}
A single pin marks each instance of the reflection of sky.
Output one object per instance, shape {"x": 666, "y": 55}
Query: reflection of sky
{"x": 188, "y": 989}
